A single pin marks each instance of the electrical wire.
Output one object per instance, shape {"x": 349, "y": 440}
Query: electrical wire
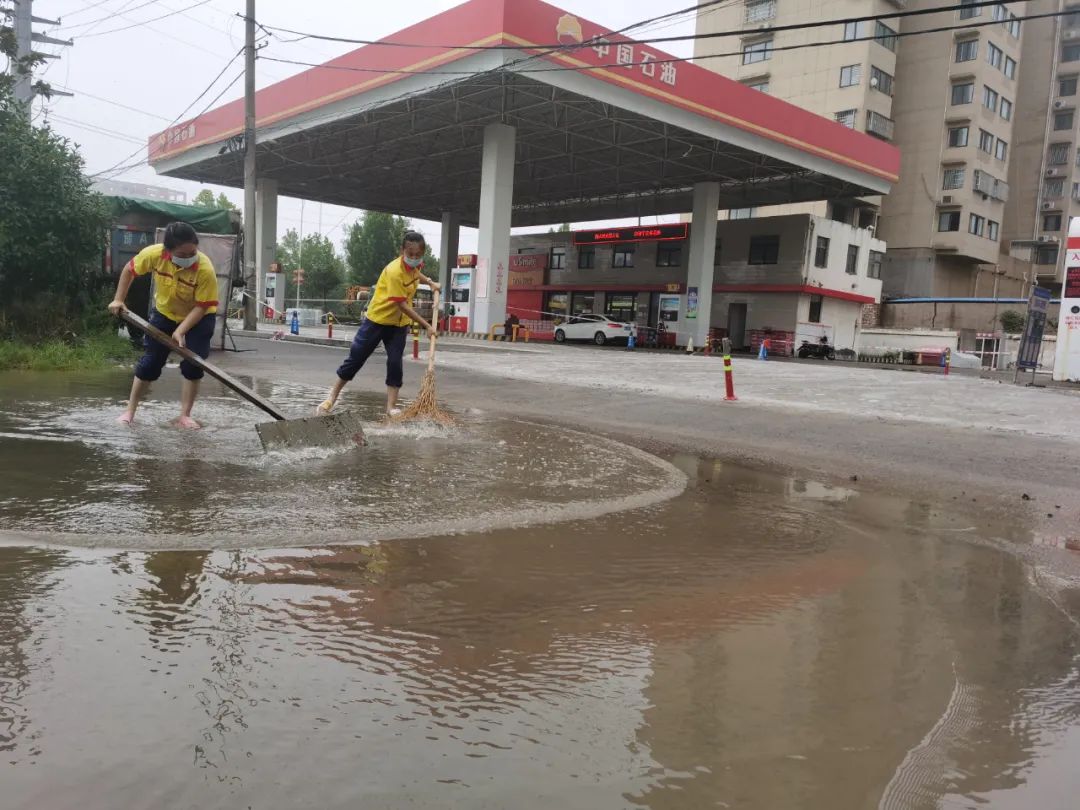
{"x": 671, "y": 59}
{"x": 94, "y": 128}
{"x": 105, "y": 18}
{"x": 67, "y": 89}
{"x": 592, "y": 42}
{"x": 146, "y": 22}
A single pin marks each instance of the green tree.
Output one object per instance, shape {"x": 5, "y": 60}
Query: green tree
{"x": 564, "y": 228}
{"x": 324, "y": 269}
{"x": 1012, "y": 322}
{"x": 371, "y": 242}
{"x": 52, "y": 229}
{"x": 206, "y": 199}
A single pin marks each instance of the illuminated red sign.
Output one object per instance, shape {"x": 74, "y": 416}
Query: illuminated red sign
{"x": 643, "y": 233}
{"x": 1072, "y": 283}
{"x": 466, "y": 260}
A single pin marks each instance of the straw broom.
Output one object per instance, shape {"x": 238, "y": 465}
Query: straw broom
{"x": 426, "y": 405}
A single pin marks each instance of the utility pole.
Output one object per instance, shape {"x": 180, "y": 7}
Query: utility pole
{"x": 250, "y": 245}
{"x": 24, "y": 49}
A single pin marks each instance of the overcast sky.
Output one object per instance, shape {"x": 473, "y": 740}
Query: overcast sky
{"x": 159, "y": 67}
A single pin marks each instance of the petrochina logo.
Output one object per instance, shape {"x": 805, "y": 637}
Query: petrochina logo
{"x": 568, "y": 30}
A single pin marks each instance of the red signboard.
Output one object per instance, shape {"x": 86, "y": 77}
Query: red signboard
{"x": 466, "y": 260}
{"x": 642, "y": 233}
{"x": 1072, "y": 283}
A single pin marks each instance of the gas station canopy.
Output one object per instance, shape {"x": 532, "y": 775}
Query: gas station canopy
{"x": 610, "y": 130}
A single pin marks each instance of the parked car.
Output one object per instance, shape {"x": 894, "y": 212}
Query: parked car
{"x": 591, "y": 327}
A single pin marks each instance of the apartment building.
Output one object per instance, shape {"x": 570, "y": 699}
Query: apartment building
{"x": 1044, "y": 173}
{"x": 947, "y": 99}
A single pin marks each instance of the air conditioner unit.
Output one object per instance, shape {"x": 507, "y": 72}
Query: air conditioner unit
{"x": 1070, "y": 35}
{"x": 1047, "y": 206}
{"x": 1058, "y": 105}
{"x": 1043, "y": 239}
{"x": 1052, "y": 172}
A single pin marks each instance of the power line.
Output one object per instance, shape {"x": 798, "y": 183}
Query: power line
{"x": 146, "y": 22}
{"x": 668, "y": 60}
{"x": 189, "y": 106}
{"x": 93, "y": 128}
{"x": 113, "y": 103}
{"x": 106, "y": 18}
{"x": 592, "y": 42}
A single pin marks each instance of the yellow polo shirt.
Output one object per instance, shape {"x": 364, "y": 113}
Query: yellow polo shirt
{"x": 397, "y": 282}
{"x": 177, "y": 291}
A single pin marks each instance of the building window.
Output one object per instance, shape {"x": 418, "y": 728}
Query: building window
{"x": 761, "y": 85}
{"x": 967, "y": 10}
{"x": 1001, "y": 149}
{"x": 986, "y": 142}
{"x": 620, "y": 307}
{"x": 850, "y": 75}
{"x": 852, "y": 266}
{"x": 873, "y": 269}
{"x": 741, "y": 213}
{"x": 1059, "y": 154}
{"x": 754, "y": 52}
{"x": 994, "y": 55}
{"x": 885, "y": 36}
{"x": 990, "y": 99}
{"x": 953, "y": 178}
{"x": 877, "y": 124}
{"x": 586, "y": 257}
{"x": 1063, "y": 120}
{"x": 815, "y": 309}
{"x": 976, "y": 225}
{"x": 992, "y": 230}
{"x": 760, "y": 10}
{"x": 1013, "y": 26}
{"x": 716, "y": 254}
{"x": 1076, "y": 191}
{"x": 582, "y": 303}
{"x": 967, "y": 51}
{"x": 1072, "y": 18}
{"x": 558, "y": 258}
{"x": 881, "y": 81}
{"x": 668, "y": 254}
{"x": 821, "y": 253}
{"x": 1053, "y": 189}
{"x": 623, "y": 256}
{"x": 958, "y": 136}
{"x": 838, "y": 212}
{"x": 999, "y": 13}
{"x": 948, "y": 221}
{"x": 1010, "y": 68}
{"x": 851, "y": 31}
{"x": 1046, "y": 254}
{"x": 846, "y": 117}
{"x": 764, "y": 250}
{"x": 1067, "y": 86}
{"x": 554, "y": 305}
{"x": 1006, "y": 109}
{"x": 963, "y": 93}
{"x": 1070, "y": 53}
{"x": 1052, "y": 222}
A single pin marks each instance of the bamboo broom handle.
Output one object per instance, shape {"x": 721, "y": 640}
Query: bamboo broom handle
{"x": 435, "y": 326}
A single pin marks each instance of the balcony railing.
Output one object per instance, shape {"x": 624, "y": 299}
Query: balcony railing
{"x": 877, "y": 124}
{"x": 760, "y": 11}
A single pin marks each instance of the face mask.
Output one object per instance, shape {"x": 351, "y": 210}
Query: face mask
{"x": 414, "y": 263}
{"x": 184, "y": 264}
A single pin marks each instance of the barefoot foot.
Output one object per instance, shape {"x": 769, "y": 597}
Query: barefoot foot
{"x": 187, "y": 423}
{"x": 126, "y": 418}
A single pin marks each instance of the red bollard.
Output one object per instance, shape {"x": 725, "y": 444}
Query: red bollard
{"x": 329, "y": 330}
{"x": 729, "y": 381}
{"x": 416, "y": 346}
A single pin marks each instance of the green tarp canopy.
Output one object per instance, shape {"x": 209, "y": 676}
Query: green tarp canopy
{"x": 203, "y": 220}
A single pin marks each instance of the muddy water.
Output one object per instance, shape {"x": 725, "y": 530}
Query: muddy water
{"x": 758, "y": 641}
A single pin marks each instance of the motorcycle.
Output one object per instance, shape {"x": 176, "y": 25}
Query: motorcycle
{"x": 821, "y": 349}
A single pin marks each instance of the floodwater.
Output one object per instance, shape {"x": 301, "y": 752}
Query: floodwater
{"x": 755, "y": 641}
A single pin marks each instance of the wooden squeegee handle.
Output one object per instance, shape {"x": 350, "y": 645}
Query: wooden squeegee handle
{"x": 225, "y": 379}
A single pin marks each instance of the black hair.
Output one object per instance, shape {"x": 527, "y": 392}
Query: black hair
{"x": 415, "y": 238}
{"x": 179, "y": 233}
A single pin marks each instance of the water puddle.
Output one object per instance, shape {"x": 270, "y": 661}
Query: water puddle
{"x": 758, "y": 641}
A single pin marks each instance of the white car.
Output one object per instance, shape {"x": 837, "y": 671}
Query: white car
{"x": 591, "y": 327}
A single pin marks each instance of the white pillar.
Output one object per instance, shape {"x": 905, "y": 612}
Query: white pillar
{"x": 266, "y": 204}
{"x": 699, "y": 277}
{"x": 493, "y": 253}
{"x": 448, "y": 253}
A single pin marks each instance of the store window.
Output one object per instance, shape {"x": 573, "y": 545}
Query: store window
{"x": 668, "y": 254}
{"x": 764, "y": 250}
{"x": 586, "y": 257}
{"x": 815, "y": 309}
{"x": 620, "y": 307}
{"x": 558, "y": 258}
{"x": 555, "y": 304}
{"x": 583, "y": 303}
{"x": 623, "y": 256}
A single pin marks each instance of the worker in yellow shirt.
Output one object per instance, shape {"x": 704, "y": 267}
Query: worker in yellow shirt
{"x": 389, "y": 315}
{"x": 185, "y": 300}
